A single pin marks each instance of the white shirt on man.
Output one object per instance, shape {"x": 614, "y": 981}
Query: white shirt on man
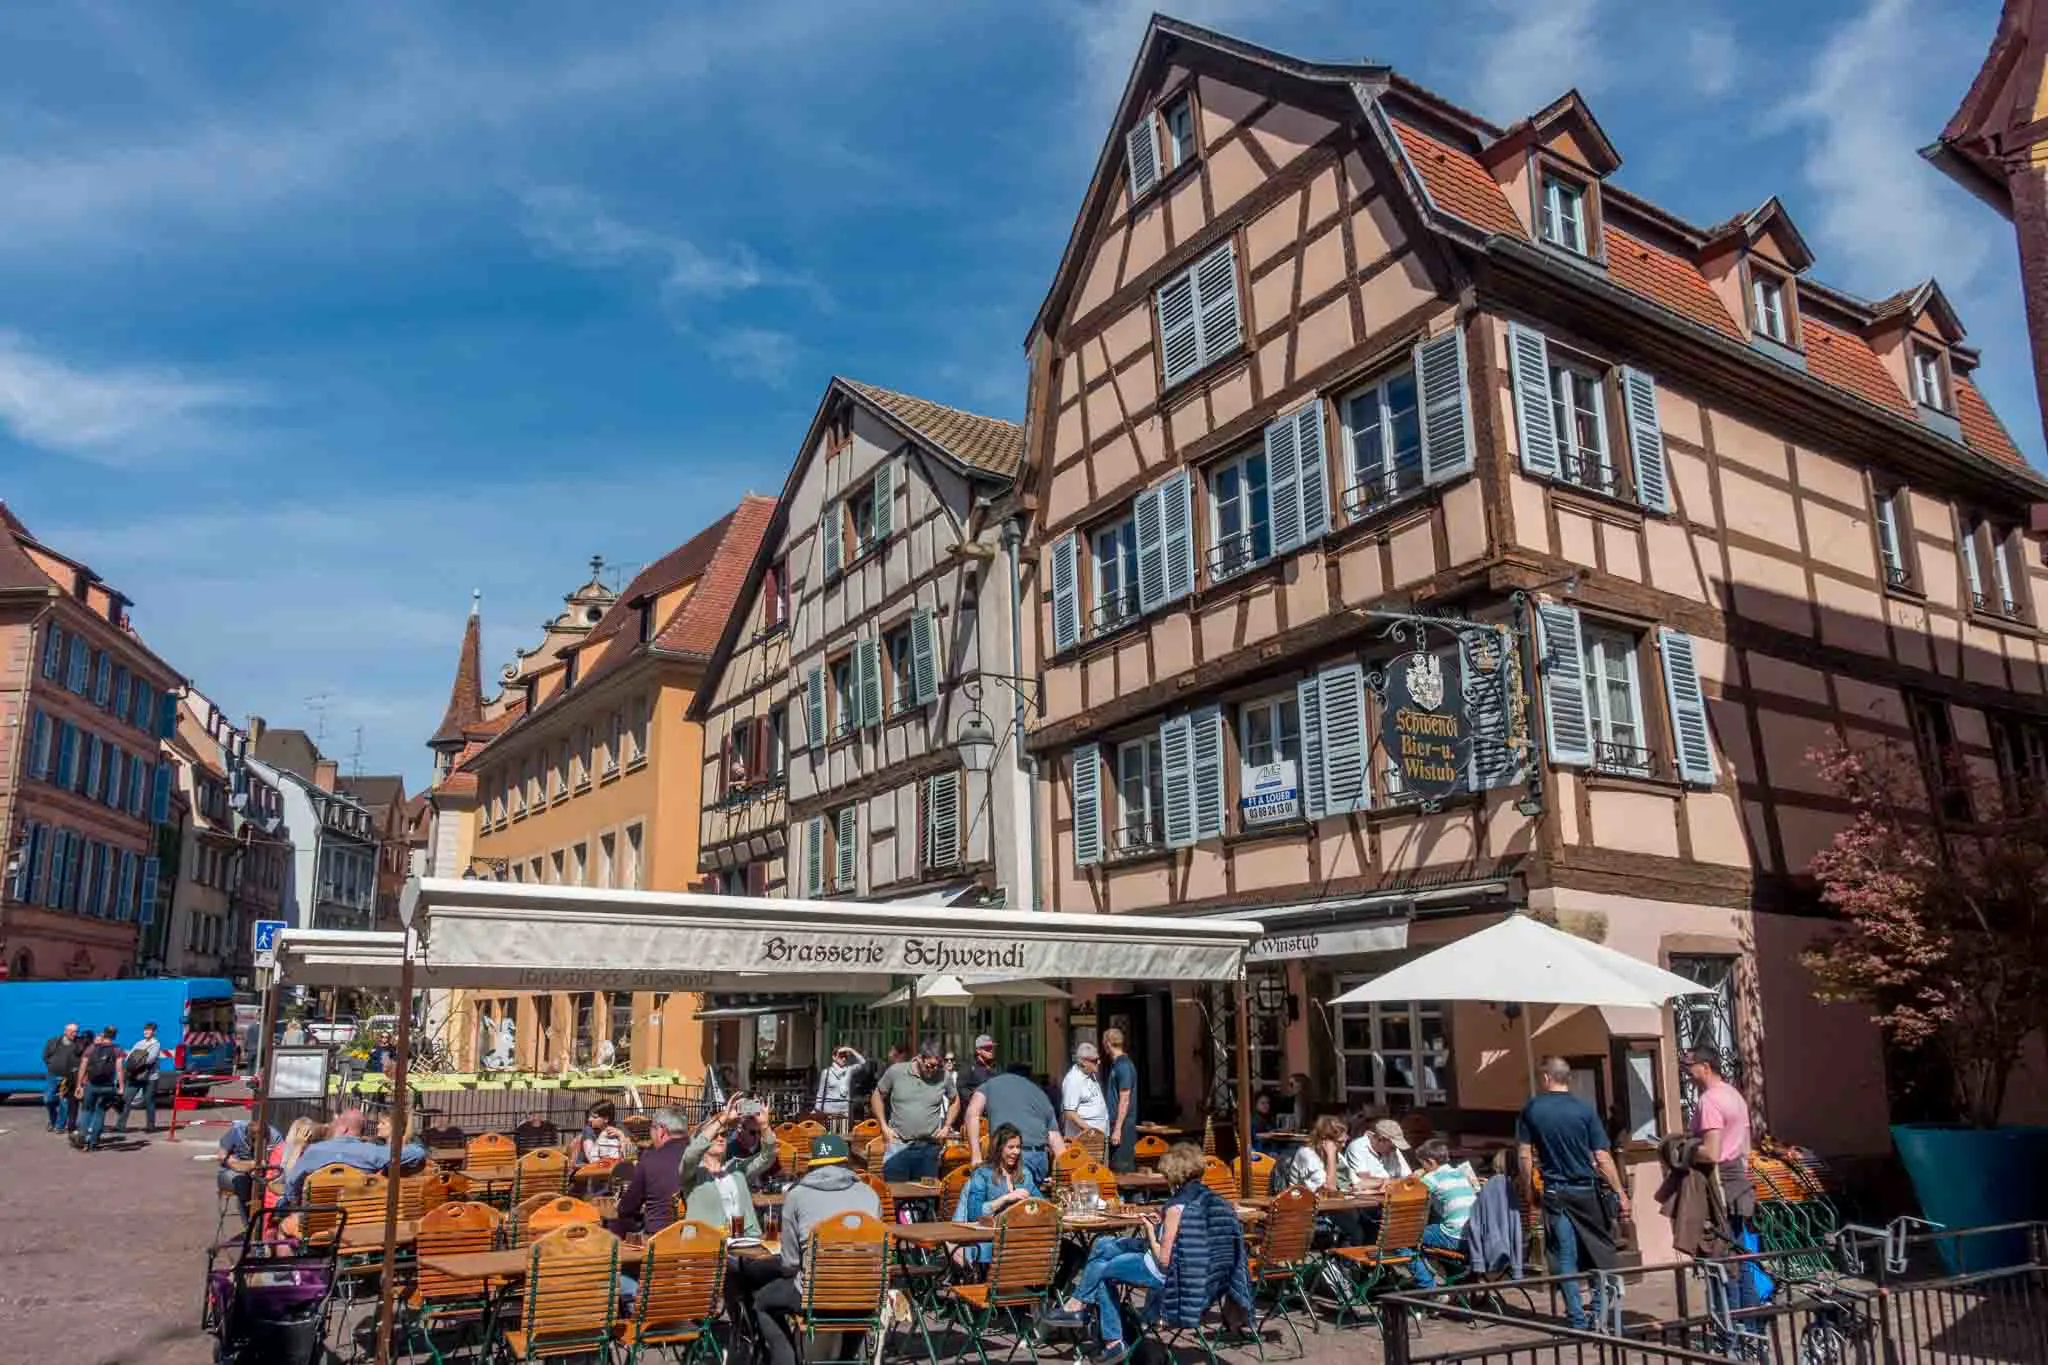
{"x": 1361, "y": 1162}
{"x": 1081, "y": 1096}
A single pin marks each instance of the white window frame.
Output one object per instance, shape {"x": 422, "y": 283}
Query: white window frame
{"x": 1973, "y": 569}
{"x": 1118, "y": 604}
{"x": 1573, "y": 459}
{"x": 1273, "y": 707}
{"x": 2002, "y": 576}
{"x": 1148, "y": 831}
{"x": 1767, "y": 306}
{"x": 1176, "y": 155}
{"x": 1379, "y": 1093}
{"x": 862, "y": 527}
{"x": 901, "y": 669}
{"x": 1222, "y": 565}
{"x": 1398, "y": 479}
{"x": 1558, "y": 193}
{"x": 1601, "y": 642}
{"x": 845, "y": 697}
{"x": 1928, "y": 389}
{"x": 1891, "y": 543}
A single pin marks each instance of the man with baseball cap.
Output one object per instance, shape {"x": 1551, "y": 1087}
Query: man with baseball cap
{"x": 1377, "y": 1154}
{"x": 775, "y": 1289}
{"x": 916, "y": 1109}
{"x": 979, "y": 1069}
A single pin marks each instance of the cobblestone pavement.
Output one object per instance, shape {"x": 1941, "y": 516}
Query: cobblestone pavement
{"x": 102, "y": 1253}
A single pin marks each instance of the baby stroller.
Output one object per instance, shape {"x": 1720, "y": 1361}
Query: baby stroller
{"x": 268, "y": 1304}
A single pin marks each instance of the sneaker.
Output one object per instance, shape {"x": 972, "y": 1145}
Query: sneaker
{"x": 1111, "y": 1353}
{"x": 77, "y": 1140}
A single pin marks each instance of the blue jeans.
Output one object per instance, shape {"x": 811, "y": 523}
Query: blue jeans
{"x": 1038, "y": 1161}
{"x": 56, "y": 1104}
{"x": 93, "y": 1111}
{"x": 144, "y": 1094}
{"x": 914, "y": 1160}
{"x": 1435, "y": 1235}
{"x": 1564, "y": 1260}
{"x": 1113, "y": 1261}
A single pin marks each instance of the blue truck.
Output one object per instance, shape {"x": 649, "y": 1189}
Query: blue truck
{"x": 194, "y": 1018}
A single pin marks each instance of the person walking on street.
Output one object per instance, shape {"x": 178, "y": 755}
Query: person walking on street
{"x": 1081, "y": 1093}
{"x": 1721, "y": 1123}
{"x": 1558, "y": 1134}
{"x": 60, "y": 1065}
{"x": 1120, "y": 1099}
{"x": 99, "y": 1088}
{"x": 916, "y": 1111}
{"x": 1019, "y": 1104}
{"x": 138, "y": 1079}
{"x": 837, "y": 1081}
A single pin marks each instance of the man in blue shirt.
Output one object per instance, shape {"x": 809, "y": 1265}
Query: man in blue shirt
{"x": 237, "y": 1145}
{"x": 1120, "y": 1094}
{"x": 349, "y": 1147}
{"x": 1559, "y": 1134}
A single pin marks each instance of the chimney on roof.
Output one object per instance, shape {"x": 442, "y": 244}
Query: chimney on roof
{"x": 325, "y": 773}
{"x": 255, "y": 728}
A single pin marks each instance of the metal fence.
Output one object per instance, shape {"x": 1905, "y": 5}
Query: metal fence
{"x": 1867, "y": 1297}
{"x": 501, "y": 1111}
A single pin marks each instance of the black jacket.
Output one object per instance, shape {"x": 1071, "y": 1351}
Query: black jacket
{"x": 61, "y": 1056}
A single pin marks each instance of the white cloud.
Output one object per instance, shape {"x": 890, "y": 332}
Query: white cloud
{"x": 575, "y": 226}
{"x": 755, "y": 352}
{"x": 121, "y": 416}
{"x": 1885, "y": 218}
{"x": 1711, "y": 58}
{"x": 1535, "y": 52}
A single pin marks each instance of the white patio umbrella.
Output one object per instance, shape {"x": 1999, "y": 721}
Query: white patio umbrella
{"x": 944, "y": 989}
{"x": 1524, "y": 961}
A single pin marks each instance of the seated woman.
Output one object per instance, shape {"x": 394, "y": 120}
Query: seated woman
{"x": 601, "y": 1139}
{"x": 1190, "y": 1252}
{"x": 1264, "y": 1121}
{"x": 996, "y": 1184}
{"x": 1317, "y": 1164}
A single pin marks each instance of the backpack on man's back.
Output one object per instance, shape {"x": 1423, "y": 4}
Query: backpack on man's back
{"x": 103, "y": 1064}
{"x": 140, "y": 1064}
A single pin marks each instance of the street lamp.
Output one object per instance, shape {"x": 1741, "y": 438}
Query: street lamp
{"x": 977, "y": 742}
{"x": 387, "y": 1280}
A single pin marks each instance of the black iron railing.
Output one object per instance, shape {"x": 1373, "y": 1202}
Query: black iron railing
{"x": 1369, "y": 495}
{"x": 1114, "y": 610}
{"x": 1232, "y": 555}
{"x": 1598, "y": 475}
{"x": 1614, "y": 756}
{"x": 1134, "y": 838}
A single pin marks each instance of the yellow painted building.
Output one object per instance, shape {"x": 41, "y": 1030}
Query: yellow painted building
{"x": 595, "y": 782}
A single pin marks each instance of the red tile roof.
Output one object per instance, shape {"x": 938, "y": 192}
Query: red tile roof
{"x": 1846, "y": 361}
{"x": 1457, "y": 184}
{"x": 988, "y": 443}
{"x": 1982, "y": 430}
{"x": 693, "y": 632}
{"x": 466, "y": 696}
{"x": 1664, "y": 278}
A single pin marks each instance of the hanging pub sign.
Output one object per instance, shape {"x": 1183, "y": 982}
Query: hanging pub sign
{"x": 1424, "y": 725}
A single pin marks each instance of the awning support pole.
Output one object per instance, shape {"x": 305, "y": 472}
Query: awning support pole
{"x": 1529, "y": 1048}
{"x": 401, "y": 1090}
{"x": 1244, "y": 1086}
{"x": 259, "y": 1144}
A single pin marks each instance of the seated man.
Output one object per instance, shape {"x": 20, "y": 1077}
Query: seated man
{"x": 349, "y": 1147}
{"x": 239, "y": 1157}
{"x": 775, "y": 1288}
{"x": 1452, "y": 1195}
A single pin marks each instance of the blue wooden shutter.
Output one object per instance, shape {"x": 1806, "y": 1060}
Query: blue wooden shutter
{"x": 111, "y": 788}
{"x": 924, "y": 658}
{"x": 814, "y": 856}
{"x": 885, "y": 499}
{"x": 1529, "y": 359}
{"x": 167, "y": 716}
{"x": 1177, "y": 534}
{"x": 1205, "y": 729}
{"x": 867, "y": 658}
{"x": 1216, "y": 302}
{"x": 1446, "y": 406}
{"x": 146, "y": 898}
{"x": 1315, "y": 471}
{"x": 1688, "y": 702}
{"x": 829, "y": 532}
{"x": 846, "y": 866}
{"x": 1180, "y": 338}
{"x": 814, "y": 707}
{"x": 1146, "y": 516}
{"x": 1141, "y": 157}
{"x": 53, "y": 652}
{"x": 160, "y": 794}
{"x": 1087, "y": 805}
{"x": 67, "y": 752}
{"x": 1066, "y": 594}
{"x": 38, "y": 750}
{"x": 1177, "y": 780}
{"x": 1283, "y": 482}
{"x": 1646, "y": 440}
{"x": 1346, "y": 785}
{"x": 103, "y": 685}
{"x": 1308, "y": 696}
{"x": 1567, "y": 725}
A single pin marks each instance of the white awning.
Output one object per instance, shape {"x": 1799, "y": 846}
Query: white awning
{"x": 523, "y": 936}
{"x": 1353, "y": 924}
{"x": 1523, "y": 960}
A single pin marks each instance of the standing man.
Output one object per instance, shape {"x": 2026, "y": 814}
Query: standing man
{"x": 1020, "y": 1102}
{"x": 978, "y": 1069}
{"x": 1721, "y": 1123}
{"x": 1120, "y": 1099}
{"x": 99, "y": 1088}
{"x": 1559, "y": 1134}
{"x": 138, "y": 1076}
{"x": 916, "y": 1111}
{"x": 1081, "y": 1093}
{"x": 60, "y": 1065}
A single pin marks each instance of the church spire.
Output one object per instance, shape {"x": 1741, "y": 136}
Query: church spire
{"x": 466, "y": 698}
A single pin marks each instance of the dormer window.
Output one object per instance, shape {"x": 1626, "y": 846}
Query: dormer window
{"x": 1179, "y": 119}
{"x": 1172, "y": 123}
{"x": 1767, "y": 307}
{"x": 1564, "y": 213}
{"x": 1930, "y": 389}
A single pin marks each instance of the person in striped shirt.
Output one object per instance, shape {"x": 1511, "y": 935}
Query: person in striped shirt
{"x": 1454, "y": 1194}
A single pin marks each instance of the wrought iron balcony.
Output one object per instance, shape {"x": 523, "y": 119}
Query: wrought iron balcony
{"x": 1114, "y": 610}
{"x": 1134, "y": 839}
{"x": 1232, "y": 555}
{"x": 1898, "y": 576}
{"x": 1367, "y": 496}
{"x": 1598, "y": 475}
{"x": 1614, "y": 756}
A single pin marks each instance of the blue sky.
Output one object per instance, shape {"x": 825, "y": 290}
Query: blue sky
{"x": 317, "y": 317}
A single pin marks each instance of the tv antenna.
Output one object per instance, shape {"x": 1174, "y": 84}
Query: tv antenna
{"x": 318, "y": 704}
{"x": 355, "y": 759}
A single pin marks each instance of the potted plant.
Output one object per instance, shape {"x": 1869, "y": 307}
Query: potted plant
{"x": 1942, "y": 899}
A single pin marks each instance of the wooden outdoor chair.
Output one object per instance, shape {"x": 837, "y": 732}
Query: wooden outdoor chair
{"x": 1404, "y": 1213}
{"x": 1220, "y": 1178}
{"x": 561, "y": 1211}
{"x": 517, "y": 1224}
{"x": 1149, "y": 1149}
{"x": 535, "y": 1133}
{"x": 412, "y": 1195}
{"x": 638, "y": 1127}
{"x": 873, "y": 1180}
{"x": 951, "y": 1188}
{"x": 571, "y": 1301}
{"x": 1262, "y": 1171}
{"x": 682, "y": 1289}
{"x": 1096, "y": 1174}
{"x": 1284, "y": 1262}
{"x": 440, "y": 1187}
{"x": 1094, "y": 1142}
{"x": 845, "y": 1277}
{"x": 439, "y": 1300}
{"x": 326, "y": 1189}
{"x": 864, "y": 1132}
{"x": 1021, "y": 1268}
{"x": 954, "y": 1157}
{"x": 808, "y": 1129}
{"x": 874, "y": 1154}
{"x": 542, "y": 1171}
{"x": 489, "y": 1154}
{"x": 1208, "y": 1137}
{"x": 1063, "y": 1167}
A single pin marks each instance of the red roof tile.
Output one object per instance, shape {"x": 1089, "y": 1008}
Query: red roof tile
{"x": 988, "y": 443}
{"x": 1457, "y": 184}
{"x": 466, "y": 696}
{"x": 694, "y": 631}
{"x": 1982, "y": 430}
{"x": 1846, "y": 361}
{"x": 1664, "y": 278}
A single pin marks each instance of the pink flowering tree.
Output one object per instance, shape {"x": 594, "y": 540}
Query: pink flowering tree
{"x": 1943, "y": 912}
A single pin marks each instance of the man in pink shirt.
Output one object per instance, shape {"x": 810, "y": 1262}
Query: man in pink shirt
{"x": 1721, "y": 1123}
